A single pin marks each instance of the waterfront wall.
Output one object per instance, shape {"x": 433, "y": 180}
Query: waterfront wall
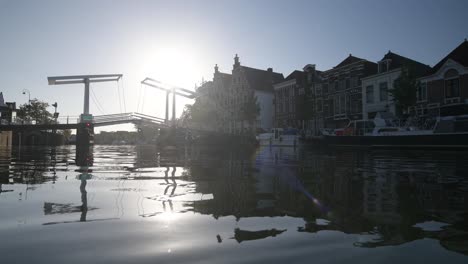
{"x": 6, "y": 138}
{"x": 37, "y": 138}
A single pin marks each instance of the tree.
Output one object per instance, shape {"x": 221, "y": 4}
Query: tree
{"x": 201, "y": 113}
{"x": 36, "y": 110}
{"x": 250, "y": 111}
{"x": 404, "y": 90}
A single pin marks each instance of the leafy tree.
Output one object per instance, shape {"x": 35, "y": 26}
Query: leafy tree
{"x": 36, "y": 110}
{"x": 66, "y": 133}
{"x": 202, "y": 113}
{"x": 404, "y": 90}
{"x": 250, "y": 111}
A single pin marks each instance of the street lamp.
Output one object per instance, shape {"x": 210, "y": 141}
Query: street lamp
{"x": 29, "y": 95}
{"x": 55, "y": 111}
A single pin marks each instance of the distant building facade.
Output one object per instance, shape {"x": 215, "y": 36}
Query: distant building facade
{"x": 338, "y": 95}
{"x": 231, "y": 93}
{"x": 7, "y": 116}
{"x": 375, "y": 88}
{"x": 444, "y": 90}
{"x": 289, "y": 102}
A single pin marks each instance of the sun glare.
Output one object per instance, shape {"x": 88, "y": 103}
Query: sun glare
{"x": 176, "y": 65}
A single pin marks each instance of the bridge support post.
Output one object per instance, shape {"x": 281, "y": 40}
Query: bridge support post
{"x": 173, "y": 107}
{"x": 86, "y": 97}
{"x": 85, "y": 134}
{"x": 167, "y": 106}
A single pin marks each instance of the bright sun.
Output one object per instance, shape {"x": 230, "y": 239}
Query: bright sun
{"x": 175, "y": 65}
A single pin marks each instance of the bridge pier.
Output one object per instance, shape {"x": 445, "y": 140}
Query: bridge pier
{"x": 85, "y": 134}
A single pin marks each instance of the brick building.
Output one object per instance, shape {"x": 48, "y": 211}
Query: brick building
{"x": 338, "y": 95}
{"x": 231, "y": 92}
{"x": 289, "y": 100}
{"x": 444, "y": 90}
{"x": 375, "y": 88}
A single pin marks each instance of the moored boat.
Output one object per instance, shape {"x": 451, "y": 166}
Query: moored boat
{"x": 448, "y": 132}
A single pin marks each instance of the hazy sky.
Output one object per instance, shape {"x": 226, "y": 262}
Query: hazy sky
{"x": 180, "y": 41}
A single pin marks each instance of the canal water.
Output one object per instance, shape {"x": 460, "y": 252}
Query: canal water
{"x": 140, "y": 204}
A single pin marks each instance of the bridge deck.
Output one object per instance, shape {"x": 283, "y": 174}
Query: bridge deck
{"x": 99, "y": 121}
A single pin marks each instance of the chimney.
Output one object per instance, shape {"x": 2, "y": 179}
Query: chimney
{"x": 310, "y": 70}
{"x": 270, "y": 70}
{"x": 216, "y": 68}
{"x": 236, "y": 62}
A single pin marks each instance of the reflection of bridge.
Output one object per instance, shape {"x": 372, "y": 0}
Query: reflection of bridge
{"x": 86, "y": 123}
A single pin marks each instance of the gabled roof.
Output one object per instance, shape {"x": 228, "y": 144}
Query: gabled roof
{"x": 397, "y": 61}
{"x": 459, "y": 54}
{"x": 296, "y": 75}
{"x": 260, "y": 79}
{"x": 349, "y": 60}
{"x": 226, "y": 78}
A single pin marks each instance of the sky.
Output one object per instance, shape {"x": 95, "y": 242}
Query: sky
{"x": 179, "y": 42}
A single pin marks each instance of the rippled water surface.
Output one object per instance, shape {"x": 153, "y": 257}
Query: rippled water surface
{"x": 140, "y": 204}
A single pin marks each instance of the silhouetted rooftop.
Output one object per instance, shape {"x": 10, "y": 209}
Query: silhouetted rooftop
{"x": 261, "y": 79}
{"x": 459, "y": 54}
{"x": 349, "y": 60}
{"x": 296, "y": 75}
{"x": 397, "y": 61}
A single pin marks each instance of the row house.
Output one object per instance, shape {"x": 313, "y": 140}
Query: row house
{"x": 249, "y": 82}
{"x": 221, "y": 97}
{"x": 376, "y": 97}
{"x": 338, "y": 96}
{"x": 231, "y": 92}
{"x": 443, "y": 90}
{"x": 289, "y": 102}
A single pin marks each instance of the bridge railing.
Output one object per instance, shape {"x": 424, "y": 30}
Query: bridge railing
{"x": 132, "y": 116}
{"x": 59, "y": 120}
{"x": 100, "y": 119}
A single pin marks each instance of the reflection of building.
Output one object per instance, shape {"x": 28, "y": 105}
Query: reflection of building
{"x": 381, "y": 198}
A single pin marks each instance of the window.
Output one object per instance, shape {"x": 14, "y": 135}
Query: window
{"x": 452, "y": 85}
{"x": 319, "y": 105}
{"x": 337, "y": 87}
{"x": 325, "y": 88}
{"x": 421, "y": 92}
{"x": 348, "y": 83}
{"x": 383, "y": 66}
{"x": 318, "y": 90}
{"x": 356, "y": 103}
{"x": 452, "y": 88}
{"x": 340, "y": 104}
{"x": 370, "y": 94}
{"x": 383, "y": 91}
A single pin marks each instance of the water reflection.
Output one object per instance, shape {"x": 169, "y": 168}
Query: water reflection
{"x": 385, "y": 198}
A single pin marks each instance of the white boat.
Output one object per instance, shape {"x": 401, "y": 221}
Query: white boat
{"x": 288, "y": 137}
{"x": 448, "y": 132}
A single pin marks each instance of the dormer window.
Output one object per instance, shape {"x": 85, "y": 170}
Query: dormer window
{"x": 384, "y": 65}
